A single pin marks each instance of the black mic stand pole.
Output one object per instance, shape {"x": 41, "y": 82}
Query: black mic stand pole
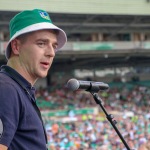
{"x": 110, "y": 117}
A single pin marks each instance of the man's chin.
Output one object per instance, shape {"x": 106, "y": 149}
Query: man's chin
{"x": 43, "y": 75}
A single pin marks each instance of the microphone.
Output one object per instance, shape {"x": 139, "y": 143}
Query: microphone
{"x": 74, "y": 84}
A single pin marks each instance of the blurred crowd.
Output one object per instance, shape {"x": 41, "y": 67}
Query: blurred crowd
{"x": 95, "y": 132}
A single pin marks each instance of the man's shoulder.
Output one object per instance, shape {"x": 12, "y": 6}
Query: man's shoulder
{"x": 7, "y": 84}
{"x": 10, "y": 91}
{"x": 5, "y": 79}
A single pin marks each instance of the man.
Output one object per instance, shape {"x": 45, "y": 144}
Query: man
{"x": 34, "y": 39}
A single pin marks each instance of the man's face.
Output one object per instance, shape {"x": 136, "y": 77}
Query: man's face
{"x": 37, "y": 52}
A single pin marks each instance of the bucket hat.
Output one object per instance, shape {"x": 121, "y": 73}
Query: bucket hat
{"x": 33, "y": 20}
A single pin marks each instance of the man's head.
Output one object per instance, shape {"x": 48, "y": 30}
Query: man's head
{"x": 33, "y": 20}
{"x": 33, "y": 53}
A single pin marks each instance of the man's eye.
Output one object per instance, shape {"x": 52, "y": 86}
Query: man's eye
{"x": 55, "y": 46}
{"x": 41, "y": 44}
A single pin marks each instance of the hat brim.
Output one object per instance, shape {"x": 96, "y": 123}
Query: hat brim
{"x": 61, "y": 37}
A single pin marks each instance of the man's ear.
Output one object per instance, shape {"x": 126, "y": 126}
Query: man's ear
{"x": 15, "y": 44}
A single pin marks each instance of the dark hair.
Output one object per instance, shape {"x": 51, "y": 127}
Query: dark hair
{"x": 23, "y": 37}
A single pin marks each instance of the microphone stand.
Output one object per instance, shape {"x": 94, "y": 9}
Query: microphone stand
{"x": 109, "y": 117}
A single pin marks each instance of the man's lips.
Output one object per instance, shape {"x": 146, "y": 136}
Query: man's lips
{"x": 45, "y": 64}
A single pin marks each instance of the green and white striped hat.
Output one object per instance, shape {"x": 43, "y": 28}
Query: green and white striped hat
{"x": 33, "y": 20}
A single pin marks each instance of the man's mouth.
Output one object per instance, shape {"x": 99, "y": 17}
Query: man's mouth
{"x": 45, "y": 64}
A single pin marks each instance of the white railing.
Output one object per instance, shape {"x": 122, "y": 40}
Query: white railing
{"x": 111, "y": 45}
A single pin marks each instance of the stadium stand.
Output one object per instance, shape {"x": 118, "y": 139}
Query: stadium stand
{"x": 88, "y": 128}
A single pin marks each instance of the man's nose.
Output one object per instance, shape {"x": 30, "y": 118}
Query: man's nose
{"x": 50, "y": 51}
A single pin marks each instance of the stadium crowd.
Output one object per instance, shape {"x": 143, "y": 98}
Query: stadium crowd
{"x": 94, "y": 132}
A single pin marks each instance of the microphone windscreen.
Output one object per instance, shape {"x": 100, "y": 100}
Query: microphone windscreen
{"x": 73, "y": 84}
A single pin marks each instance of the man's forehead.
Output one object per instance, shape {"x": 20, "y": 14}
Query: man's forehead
{"x": 45, "y": 32}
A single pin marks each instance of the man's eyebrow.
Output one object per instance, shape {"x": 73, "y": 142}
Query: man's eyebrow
{"x": 42, "y": 39}
{"x": 46, "y": 40}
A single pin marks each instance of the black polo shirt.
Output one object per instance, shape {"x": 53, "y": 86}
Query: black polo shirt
{"x": 22, "y": 127}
